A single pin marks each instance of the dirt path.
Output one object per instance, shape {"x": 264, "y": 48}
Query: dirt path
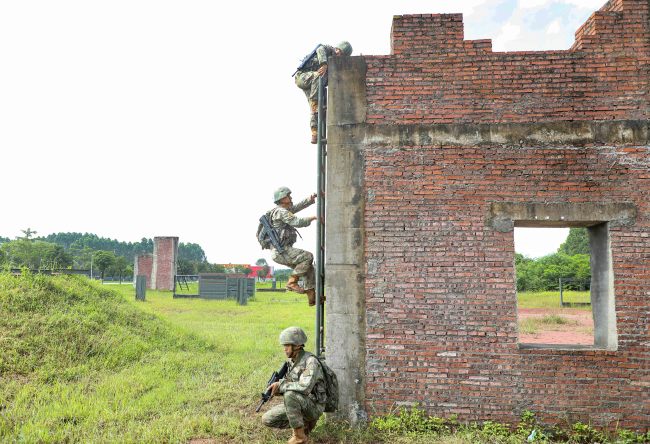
{"x": 578, "y": 331}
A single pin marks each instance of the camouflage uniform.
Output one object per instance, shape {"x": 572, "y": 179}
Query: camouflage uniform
{"x": 307, "y": 79}
{"x": 301, "y": 261}
{"x": 304, "y": 392}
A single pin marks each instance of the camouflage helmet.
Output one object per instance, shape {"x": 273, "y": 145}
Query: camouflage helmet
{"x": 293, "y": 336}
{"x": 280, "y": 194}
{"x": 345, "y": 48}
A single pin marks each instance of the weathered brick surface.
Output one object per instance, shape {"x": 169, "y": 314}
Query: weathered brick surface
{"x": 441, "y": 302}
{"x": 441, "y": 321}
{"x": 143, "y": 266}
{"x": 165, "y": 251}
{"x": 434, "y": 76}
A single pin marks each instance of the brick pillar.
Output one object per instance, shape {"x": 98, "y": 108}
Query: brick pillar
{"x": 143, "y": 265}
{"x": 165, "y": 250}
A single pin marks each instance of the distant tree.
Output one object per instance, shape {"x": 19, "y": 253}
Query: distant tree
{"x": 82, "y": 246}
{"x": 28, "y": 233}
{"x": 35, "y": 254}
{"x": 261, "y": 261}
{"x": 206, "y": 267}
{"x": 543, "y": 274}
{"x": 191, "y": 252}
{"x": 282, "y": 274}
{"x": 217, "y": 268}
{"x": 263, "y": 272}
{"x": 577, "y": 242}
{"x": 103, "y": 260}
{"x": 243, "y": 269}
{"x": 184, "y": 266}
{"x": 3, "y": 239}
{"x": 119, "y": 267}
{"x": 53, "y": 256}
{"x": 78, "y": 242}
{"x": 82, "y": 256}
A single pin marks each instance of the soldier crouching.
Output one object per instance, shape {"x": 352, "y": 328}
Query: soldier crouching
{"x": 303, "y": 389}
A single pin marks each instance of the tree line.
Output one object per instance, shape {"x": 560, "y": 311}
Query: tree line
{"x": 82, "y": 251}
{"x": 570, "y": 262}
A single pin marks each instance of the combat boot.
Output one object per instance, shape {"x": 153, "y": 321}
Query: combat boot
{"x": 298, "y": 437}
{"x": 309, "y": 426}
{"x": 311, "y": 297}
{"x": 292, "y": 285}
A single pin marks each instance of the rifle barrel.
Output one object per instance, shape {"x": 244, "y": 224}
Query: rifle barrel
{"x": 259, "y": 406}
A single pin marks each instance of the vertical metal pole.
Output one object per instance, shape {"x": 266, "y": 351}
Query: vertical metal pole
{"x": 320, "y": 212}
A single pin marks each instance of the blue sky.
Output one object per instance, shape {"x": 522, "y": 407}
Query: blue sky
{"x": 142, "y": 118}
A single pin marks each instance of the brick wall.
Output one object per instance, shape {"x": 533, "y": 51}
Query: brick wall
{"x": 449, "y": 128}
{"x": 440, "y": 287}
{"x": 165, "y": 250}
{"x": 143, "y": 266}
{"x": 433, "y": 76}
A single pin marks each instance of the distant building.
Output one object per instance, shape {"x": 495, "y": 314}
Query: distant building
{"x": 256, "y": 268}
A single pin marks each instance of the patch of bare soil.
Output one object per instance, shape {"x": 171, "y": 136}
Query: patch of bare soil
{"x": 578, "y": 331}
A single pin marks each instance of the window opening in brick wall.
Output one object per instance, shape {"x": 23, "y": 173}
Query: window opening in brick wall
{"x": 565, "y": 298}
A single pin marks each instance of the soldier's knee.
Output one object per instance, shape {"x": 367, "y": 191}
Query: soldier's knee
{"x": 270, "y": 420}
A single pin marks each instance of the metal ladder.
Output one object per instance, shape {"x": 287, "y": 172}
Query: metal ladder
{"x": 320, "y": 213}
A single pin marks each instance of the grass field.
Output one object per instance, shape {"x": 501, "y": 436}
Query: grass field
{"x": 551, "y": 299}
{"x": 86, "y": 363}
{"x": 82, "y": 362}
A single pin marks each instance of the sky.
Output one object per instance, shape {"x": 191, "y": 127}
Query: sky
{"x": 142, "y": 118}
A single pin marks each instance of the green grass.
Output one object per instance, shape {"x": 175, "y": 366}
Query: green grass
{"x": 551, "y": 299}
{"x": 548, "y": 322}
{"x": 191, "y": 288}
{"x": 82, "y": 362}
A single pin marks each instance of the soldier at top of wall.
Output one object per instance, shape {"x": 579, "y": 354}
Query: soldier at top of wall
{"x": 313, "y": 66}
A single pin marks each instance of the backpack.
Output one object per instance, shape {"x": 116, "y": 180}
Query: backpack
{"x": 287, "y": 235}
{"x": 262, "y": 236}
{"x": 331, "y": 387}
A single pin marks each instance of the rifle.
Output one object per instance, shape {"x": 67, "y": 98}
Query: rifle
{"x": 275, "y": 377}
{"x": 306, "y": 60}
{"x": 273, "y": 235}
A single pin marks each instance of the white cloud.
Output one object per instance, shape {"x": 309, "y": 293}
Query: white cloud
{"x": 554, "y": 27}
{"x": 587, "y": 4}
{"x": 509, "y": 32}
{"x": 532, "y": 4}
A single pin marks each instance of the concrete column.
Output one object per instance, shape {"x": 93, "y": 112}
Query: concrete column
{"x": 344, "y": 274}
{"x": 602, "y": 287}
